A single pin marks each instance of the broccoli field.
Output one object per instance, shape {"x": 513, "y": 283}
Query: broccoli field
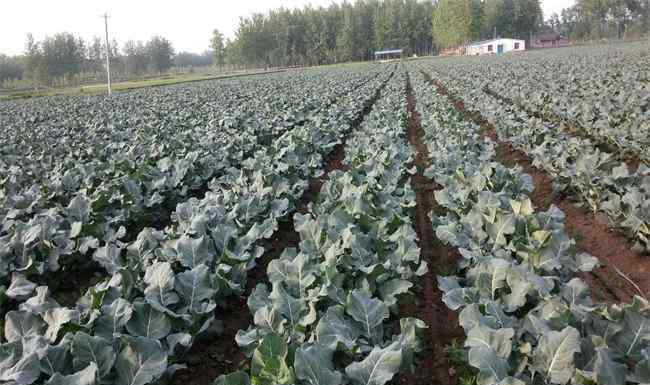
{"x": 460, "y": 220}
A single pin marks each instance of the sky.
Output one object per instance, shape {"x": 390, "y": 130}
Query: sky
{"x": 188, "y": 24}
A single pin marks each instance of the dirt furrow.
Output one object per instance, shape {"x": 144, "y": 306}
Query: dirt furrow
{"x": 591, "y": 231}
{"x": 214, "y": 354}
{"x": 434, "y": 366}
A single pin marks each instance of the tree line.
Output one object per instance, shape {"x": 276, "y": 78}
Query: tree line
{"x": 348, "y": 31}
{"x": 603, "y": 19}
{"x": 323, "y": 35}
{"x": 457, "y": 22}
{"x": 65, "y": 59}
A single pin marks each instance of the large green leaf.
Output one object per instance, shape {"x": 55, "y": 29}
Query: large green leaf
{"x": 113, "y": 319}
{"x": 378, "y": 368}
{"x": 88, "y": 350}
{"x": 608, "y": 371}
{"x": 335, "y": 328}
{"x": 86, "y": 376}
{"x": 499, "y": 340}
{"x": 148, "y": 322}
{"x": 269, "y": 365}
{"x": 492, "y": 368}
{"x": 313, "y": 364}
{"x": 236, "y": 378}
{"x": 193, "y": 252}
{"x": 554, "y": 356}
{"x": 368, "y": 311}
{"x": 141, "y": 361}
{"x": 194, "y": 288}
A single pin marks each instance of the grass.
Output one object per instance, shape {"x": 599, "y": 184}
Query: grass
{"x": 96, "y": 89}
{"x": 458, "y": 357}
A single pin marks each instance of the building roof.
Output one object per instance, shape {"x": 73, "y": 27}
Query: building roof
{"x": 389, "y": 51}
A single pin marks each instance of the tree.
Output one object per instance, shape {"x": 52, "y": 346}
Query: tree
{"x": 10, "y": 68}
{"x": 350, "y": 30}
{"x": 218, "y": 48}
{"x": 135, "y": 57}
{"x": 34, "y": 64}
{"x": 346, "y": 38}
{"x": 452, "y": 22}
{"x": 597, "y": 19}
{"x": 159, "y": 54}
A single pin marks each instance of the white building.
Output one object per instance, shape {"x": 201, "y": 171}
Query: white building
{"x": 495, "y": 46}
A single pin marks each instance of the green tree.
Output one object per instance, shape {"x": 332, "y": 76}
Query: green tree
{"x": 10, "y": 68}
{"x": 217, "y": 45}
{"x": 452, "y": 23}
{"x": 160, "y": 54}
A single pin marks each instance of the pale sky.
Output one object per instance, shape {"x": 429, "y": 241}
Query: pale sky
{"x": 187, "y": 23}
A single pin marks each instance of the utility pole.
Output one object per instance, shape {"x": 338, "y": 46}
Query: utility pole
{"x": 108, "y": 53}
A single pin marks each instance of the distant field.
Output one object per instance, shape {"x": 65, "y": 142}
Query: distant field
{"x": 127, "y": 85}
{"x": 448, "y": 221}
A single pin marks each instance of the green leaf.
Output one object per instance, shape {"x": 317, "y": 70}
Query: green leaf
{"x": 313, "y": 364}
{"x": 114, "y": 317}
{"x": 378, "y": 368}
{"x": 159, "y": 278}
{"x": 20, "y": 288}
{"x": 269, "y": 366}
{"x": 22, "y": 324}
{"x": 392, "y": 288}
{"x": 554, "y": 356}
{"x": 148, "y": 322}
{"x": 633, "y": 334}
{"x": 369, "y": 312}
{"x": 86, "y": 376}
{"x": 608, "y": 371}
{"x": 88, "y": 350}
{"x": 21, "y": 371}
{"x": 335, "y": 328}
{"x": 504, "y": 225}
{"x": 236, "y": 378}
{"x": 492, "y": 368}
{"x": 499, "y": 340}
{"x": 194, "y": 287}
{"x": 193, "y": 252}
{"x": 141, "y": 361}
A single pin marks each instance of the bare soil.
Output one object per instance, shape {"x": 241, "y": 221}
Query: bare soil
{"x": 592, "y": 233}
{"x": 434, "y": 366}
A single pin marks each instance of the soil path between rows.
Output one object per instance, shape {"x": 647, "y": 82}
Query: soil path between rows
{"x": 434, "y": 366}
{"x": 610, "y": 282}
{"x": 217, "y": 354}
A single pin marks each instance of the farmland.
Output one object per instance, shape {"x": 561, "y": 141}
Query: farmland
{"x": 476, "y": 220}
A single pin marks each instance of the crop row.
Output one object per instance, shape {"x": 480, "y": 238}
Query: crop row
{"x": 578, "y": 167}
{"x": 165, "y": 287}
{"x": 80, "y": 208}
{"x": 602, "y": 92}
{"x": 330, "y": 313}
{"x": 527, "y": 317}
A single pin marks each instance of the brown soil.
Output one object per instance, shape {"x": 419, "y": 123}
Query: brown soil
{"x": 592, "y": 234}
{"x": 434, "y": 366}
{"x": 215, "y": 355}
